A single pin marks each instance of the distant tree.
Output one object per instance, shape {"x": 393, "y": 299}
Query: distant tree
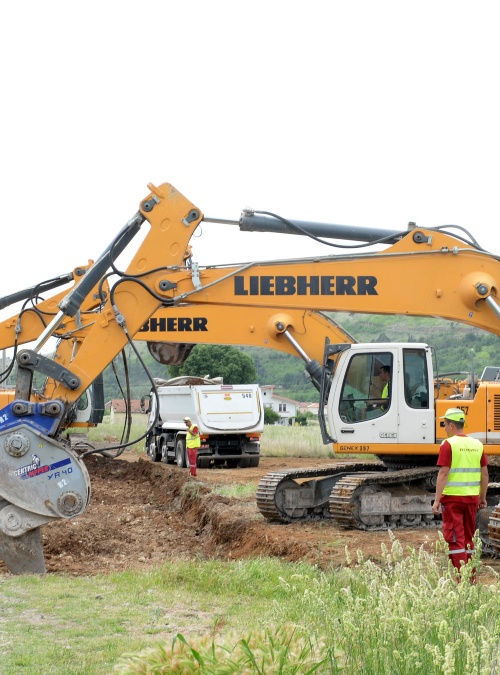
{"x": 470, "y": 338}
{"x": 218, "y": 361}
{"x": 270, "y": 416}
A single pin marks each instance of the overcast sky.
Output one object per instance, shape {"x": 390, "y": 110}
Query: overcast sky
{"x": 360, "y": 113}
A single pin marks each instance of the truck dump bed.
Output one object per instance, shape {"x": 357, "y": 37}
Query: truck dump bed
{"x": 217, "y": 408}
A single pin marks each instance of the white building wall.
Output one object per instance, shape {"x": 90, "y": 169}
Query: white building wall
{"x": 285, "y": 407}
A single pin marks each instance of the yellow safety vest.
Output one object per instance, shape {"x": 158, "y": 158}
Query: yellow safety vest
{"x": 464, "y": 478}
{"x": 192, "y": 439}
{"x": 385, "y": 394}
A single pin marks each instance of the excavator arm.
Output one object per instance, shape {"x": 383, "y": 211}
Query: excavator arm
{"x": 422, "y": 272}
{"x": 139, "y": 291}
{"x": 37, "y": 312}
{"x": 41, "y": 479}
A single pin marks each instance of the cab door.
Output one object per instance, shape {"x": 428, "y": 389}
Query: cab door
{"x": 364, "y": 407}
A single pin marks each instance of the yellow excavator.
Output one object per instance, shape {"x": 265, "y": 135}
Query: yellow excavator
{"x": 424, "y": 272}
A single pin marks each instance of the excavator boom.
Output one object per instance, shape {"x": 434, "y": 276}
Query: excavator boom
{"x": 426, "y": 273}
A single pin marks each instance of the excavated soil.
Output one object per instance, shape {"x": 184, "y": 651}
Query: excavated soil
{"x": 142, "y": 513}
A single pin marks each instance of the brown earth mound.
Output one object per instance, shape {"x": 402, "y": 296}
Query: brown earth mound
{"x": 142, "y": 513}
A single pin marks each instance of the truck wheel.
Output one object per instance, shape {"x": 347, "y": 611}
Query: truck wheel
{"x": 180, "y": 453}
{"x": 152, "y": 449}
{"x": 164, "y": 449}
{"x": 203, "y": 462}
{"x": 244, "y": 463}
{"x": 254, "y": 461}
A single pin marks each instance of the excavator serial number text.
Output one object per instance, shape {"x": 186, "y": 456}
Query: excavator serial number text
{"x": 354, "y": 448}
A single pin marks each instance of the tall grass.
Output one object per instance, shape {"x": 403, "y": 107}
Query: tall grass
{"x": 286, "y": 441}
{"x": 406, "y": 615}
{"x": 276, "y": 441}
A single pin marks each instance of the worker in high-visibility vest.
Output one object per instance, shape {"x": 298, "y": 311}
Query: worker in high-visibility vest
{"x": 193, "y": 442}
{"x": 385, "y": 376}
{"x": 461, "y": 487}
{"x": 384, "y": 401}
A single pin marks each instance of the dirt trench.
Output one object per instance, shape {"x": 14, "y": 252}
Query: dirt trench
{"x": 142, "y": 513}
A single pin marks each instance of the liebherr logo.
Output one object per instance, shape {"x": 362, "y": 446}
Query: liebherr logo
{"x": 305, "y": 285}
{"x": 175, "y": 324}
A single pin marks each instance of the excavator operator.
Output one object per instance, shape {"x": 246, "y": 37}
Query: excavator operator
{"x": 385, "y": 377}
{"x": 382, "y": 404}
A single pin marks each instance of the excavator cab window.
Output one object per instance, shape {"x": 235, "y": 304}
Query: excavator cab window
{"x": 83, "y": 402}
{"x": 416, "y": 378}
{"x": 366, "y": 392}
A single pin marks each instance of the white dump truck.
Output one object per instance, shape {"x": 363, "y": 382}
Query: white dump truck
{"x": 230, "y": 418}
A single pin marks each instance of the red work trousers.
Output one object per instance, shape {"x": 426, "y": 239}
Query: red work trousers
{"x": 459, "y": 526}
{"x": 192, "y": 454}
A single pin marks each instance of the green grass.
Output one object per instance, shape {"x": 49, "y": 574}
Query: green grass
{"x": 62, "y": 625}
{"x": 404, "y": 615}
{"x": 276, "y": 441}
{"x": 113, "y": 432}
{"x": 237, "y": 490}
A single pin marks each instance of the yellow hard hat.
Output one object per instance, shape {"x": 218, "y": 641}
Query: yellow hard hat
{"x": 454, "y": 415}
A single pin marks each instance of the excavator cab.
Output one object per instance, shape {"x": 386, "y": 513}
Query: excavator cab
{"x": 379, "y": 393}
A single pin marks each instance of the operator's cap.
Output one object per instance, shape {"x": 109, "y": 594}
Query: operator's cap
{"x": 187, "y": 419}
{"x": 454, "y": 415}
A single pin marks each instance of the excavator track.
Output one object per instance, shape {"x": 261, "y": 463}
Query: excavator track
{"x": 489, "y": 521}
{"x": 494, "y": 529}
{"x": 281, "y": 497}
{"x": 377, "y": 501}
{"x": 368, "y": 496}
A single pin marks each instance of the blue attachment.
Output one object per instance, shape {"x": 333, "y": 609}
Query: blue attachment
{"x": 34, "y": 418}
